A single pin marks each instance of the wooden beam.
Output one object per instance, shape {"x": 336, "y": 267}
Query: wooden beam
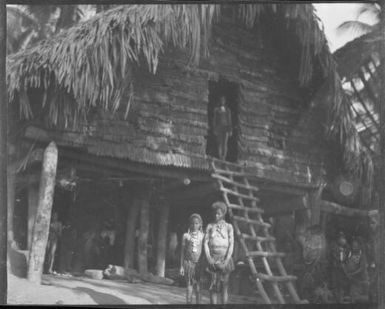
{"x": 337, "y": 209}
{"x": 363, "y": 104}
{"x": 281, "y": 206}
{"x": 314, "y": 199}
{"x": 269, "y": 186}
{"x": 368, "y": 87}
{"x": 105, "y": 172}
{"x": 162, "y": 239}
{"x": 3, "y": 157}
{"x": 142, "y": 168}
{"x": 191, "y": 192}
{"x": 43, "y": 216}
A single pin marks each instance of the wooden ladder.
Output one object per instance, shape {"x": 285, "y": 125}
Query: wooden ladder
{"x": 253, "y": 234}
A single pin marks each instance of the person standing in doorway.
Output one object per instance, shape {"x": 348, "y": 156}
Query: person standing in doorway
{"x": 223, "y": 127}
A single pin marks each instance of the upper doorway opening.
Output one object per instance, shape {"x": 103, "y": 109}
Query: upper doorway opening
{"x": 230, "y": 91}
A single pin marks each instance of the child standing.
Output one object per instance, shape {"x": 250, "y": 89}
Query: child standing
{"x": 219, "y": 246}
{"x": 190, "y": 257}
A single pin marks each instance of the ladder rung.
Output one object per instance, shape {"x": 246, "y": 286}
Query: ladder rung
{"x": 256, "y": 222}
{"x": 275, "y": 278}
{"x": 265, "y": 254}
{"x": 233, "y": 173}
{"x": 235, "y": 183}
{"x": 226, "y": 163}
{"x": 258, "y": 238}
{"x": 244, "y": 196}
{"x": 248, "y": 209}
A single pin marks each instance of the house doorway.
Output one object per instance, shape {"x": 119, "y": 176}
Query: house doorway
{"x": 231, "y": 91}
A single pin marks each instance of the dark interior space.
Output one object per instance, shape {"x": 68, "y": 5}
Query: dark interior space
{"x": 230, "y": 91}
{"x": 20, "y": 219}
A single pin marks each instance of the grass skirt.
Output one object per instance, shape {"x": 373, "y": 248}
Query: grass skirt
{"x": 192, "y": 272}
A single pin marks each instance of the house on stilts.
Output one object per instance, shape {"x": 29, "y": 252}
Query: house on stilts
{"x": 128, "y": 98}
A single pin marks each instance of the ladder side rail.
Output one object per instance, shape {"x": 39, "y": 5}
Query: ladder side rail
{"x": 250, "y": 260}
{"x": 259, "y": 282}
{"x": 260, "y": 248}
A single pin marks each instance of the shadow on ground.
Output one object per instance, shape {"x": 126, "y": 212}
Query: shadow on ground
{"x": 99, "y": 297}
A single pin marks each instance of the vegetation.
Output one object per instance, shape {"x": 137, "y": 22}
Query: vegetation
{"x": 373, "y": 10}
{"x": 28, "y": 24}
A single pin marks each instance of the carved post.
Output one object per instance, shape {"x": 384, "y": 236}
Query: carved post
{"x": 162, "y": 239}
{"x": 43, "y": 216}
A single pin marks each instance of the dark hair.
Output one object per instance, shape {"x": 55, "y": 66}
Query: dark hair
{"x": 195, "y": 216}
{"x": 219, "y": 205}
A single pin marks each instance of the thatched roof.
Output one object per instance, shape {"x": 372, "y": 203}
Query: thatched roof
{"x": 91, "y": 60}
{"x": 353, "y": 55}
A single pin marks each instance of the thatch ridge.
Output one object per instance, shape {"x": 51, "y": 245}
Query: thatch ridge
{"x": 102, "y": 50}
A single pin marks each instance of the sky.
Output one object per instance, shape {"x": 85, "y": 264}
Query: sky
{"x": 334, "y": 14}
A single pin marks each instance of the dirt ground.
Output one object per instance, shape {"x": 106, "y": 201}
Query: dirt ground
{"x": 85, "y": 291}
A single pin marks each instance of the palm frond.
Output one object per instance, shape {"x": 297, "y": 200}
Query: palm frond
{"x": 373, "y": 9}
{"x": 354, "y": 27}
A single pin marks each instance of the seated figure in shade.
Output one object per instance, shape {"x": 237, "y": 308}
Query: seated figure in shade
{"x": 223, "y": 128}
{"x": 356, "y": 271}
{"x": 339, "y": 253}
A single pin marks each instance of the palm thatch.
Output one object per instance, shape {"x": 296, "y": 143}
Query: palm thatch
{"x": 358, "y": 64}
{"x": 353, "y": 55}
{"x": 91, "y": 60}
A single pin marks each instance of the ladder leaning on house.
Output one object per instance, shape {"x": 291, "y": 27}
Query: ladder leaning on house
{"x": 253, "y": 234}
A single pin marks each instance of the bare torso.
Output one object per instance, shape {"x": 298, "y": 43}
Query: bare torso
{"x": 218, "y": 239}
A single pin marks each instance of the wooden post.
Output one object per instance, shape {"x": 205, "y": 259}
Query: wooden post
{"x": 143, "y": 234}
{"x": 3, "y": 158}
{"x": 33, "y": 200}
{"x": 129, "y": 246}
{"x": 43, "y": 216}
{"x": 315, "y": 205}
{"x": 162, "y": 240}
{"x": 11, "y": 183}
{"x": 381, "y": 249}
